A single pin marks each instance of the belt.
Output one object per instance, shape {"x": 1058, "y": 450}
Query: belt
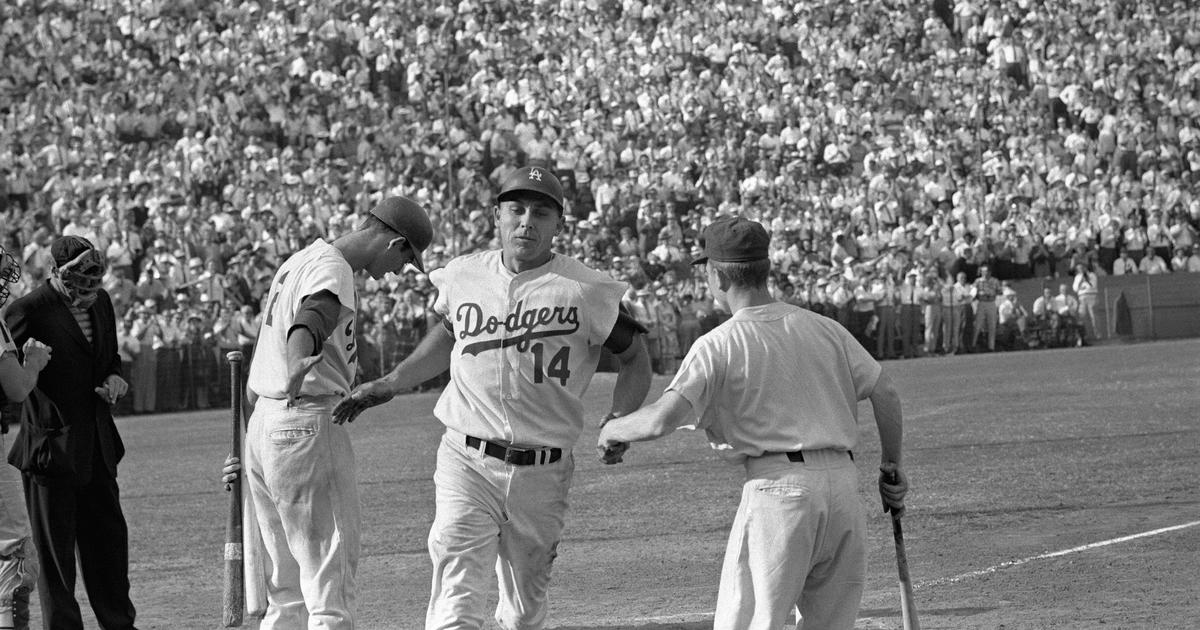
{"x": 515, "y": 456}
{"x": 798, "y": 456}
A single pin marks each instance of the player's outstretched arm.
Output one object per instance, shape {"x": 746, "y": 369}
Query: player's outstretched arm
{"x": 633, "y": 380}
{"x": 431, "y": 357}
{"x": 893, "y": 483}
{"x": 648, "y": 423}
{"x": 629, "y": 392}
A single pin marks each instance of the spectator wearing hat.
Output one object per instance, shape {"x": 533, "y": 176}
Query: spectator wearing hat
{"x": 79, "y": 516}
{"x": 985, "y": 290}
{"x": 883, "y": 292}
{"x": 930, "y": 295}
{"x": 1012, "y": 317}
{"x": 909, "y": 298}
{"x": 643, "y": 306}
{"x": 1110, "y": 240}
{"x": 956, "y": 300}
{"x": 689, "y": 322}
{"x": 146, "y": 332}
{"x": 668, "y": 322}
{"x": 1085, "y": 286}
{"x": 196, "y": 366}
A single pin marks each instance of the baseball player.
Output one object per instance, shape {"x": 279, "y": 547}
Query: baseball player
{"x": 522, "y": 333}
{"x": 18, "y": 556}
{"x": 776, "y": 389}
{"x": 300, "y": 466}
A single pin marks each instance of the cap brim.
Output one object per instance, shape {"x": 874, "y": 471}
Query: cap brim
{"x": 700, "y": 261}
{"x": 417, "y": 260}
{"x": 509, "y": 194}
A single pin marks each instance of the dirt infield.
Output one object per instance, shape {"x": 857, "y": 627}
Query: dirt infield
{"x": 1027, "y": 469}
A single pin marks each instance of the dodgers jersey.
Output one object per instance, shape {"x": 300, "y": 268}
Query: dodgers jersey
{"x": 525, "y": 346}
{"x": 315, "y": 268}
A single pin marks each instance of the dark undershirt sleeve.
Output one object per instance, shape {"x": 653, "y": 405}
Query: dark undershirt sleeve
{"x": 623, "y": 332}
{"x": 318, "y": 314}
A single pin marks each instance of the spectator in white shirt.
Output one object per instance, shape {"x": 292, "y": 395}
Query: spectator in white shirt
{"x": 1153, "y": 264}
{"x": 1124, "y": 265}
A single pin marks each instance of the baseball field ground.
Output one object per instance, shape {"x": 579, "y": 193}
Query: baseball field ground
{"x": 1050, "y": 489}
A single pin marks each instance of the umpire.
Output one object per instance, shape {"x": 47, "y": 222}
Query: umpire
{"x": 776, "y": 389}
{"x": 79, "y": 513}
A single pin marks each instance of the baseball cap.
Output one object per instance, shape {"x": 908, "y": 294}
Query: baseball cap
{"x": 65, "y": 248}
{"x": 733, "y": 240}
{"x": 532, "y": 178}
{"x": 407, "y": 218}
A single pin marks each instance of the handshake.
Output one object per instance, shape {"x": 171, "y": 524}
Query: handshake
{"x": 609, "y": 450}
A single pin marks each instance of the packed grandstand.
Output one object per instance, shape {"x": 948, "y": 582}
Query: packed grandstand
{"x": 888, "y": 146}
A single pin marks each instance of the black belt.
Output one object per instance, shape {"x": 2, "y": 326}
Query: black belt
{"x": 798, "y": 456}
{"x": 515, "y": 456}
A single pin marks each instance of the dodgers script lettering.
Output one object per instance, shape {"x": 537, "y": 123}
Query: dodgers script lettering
{"x": 528, "y": 324}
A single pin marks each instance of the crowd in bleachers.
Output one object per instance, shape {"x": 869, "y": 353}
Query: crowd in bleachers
{"x": 883, "y": 143}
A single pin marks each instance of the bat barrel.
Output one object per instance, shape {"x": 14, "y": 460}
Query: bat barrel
{"x": 233, "y": 595}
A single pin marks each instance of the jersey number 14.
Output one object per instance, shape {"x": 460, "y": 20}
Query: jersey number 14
{"x": 557, "y": 368}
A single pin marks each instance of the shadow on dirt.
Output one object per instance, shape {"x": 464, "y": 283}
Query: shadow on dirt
{"x": 691, "y": 625}
{"x": 882, "y": 613}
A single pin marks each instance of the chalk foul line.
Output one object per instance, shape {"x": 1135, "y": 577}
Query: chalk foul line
{"x": 1053, "y": 554}
{"x": 700, "y": 616}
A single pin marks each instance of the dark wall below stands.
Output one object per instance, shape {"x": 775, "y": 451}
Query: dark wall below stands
{"x": 1165, "y": 306}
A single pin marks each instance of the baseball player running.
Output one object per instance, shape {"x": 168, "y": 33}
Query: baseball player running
{"x": 522, "y": 334}
{"x": 299, "y": 466}
{"x": 776, "y": 389}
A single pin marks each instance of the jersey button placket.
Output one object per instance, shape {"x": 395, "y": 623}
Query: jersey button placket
{"x": 508, "y": 376}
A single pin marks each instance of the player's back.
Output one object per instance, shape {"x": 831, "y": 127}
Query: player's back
{"x": 318, "y": 267}
{"x": 787, "y": 373}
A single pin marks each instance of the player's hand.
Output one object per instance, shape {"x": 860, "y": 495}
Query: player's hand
{"x": 612, "y": 453}
{"x": 893, "y": 485}
{"x": 296, "y": 374}
{"x": 36, "y": 353}
{"x": 609, "y": 450}
{"x": 231, "y": 471}
{"x": 113, "y": 389}
{"x": 362, "y": 398}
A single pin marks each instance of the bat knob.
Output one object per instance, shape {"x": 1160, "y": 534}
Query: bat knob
{"x": 233, "y": 356}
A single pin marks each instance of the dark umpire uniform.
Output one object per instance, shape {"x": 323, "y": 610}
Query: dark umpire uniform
{"x": 80, "y": 511}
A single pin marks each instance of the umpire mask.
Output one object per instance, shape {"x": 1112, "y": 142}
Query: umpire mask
{"x": 10, "y": 272}
{"x": 80, "y": 278}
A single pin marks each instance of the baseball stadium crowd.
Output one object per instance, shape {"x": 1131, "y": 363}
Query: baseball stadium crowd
{"x": 893, "y": 149}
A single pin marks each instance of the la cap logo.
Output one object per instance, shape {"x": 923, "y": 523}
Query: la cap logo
{"x": 535, "y": 174}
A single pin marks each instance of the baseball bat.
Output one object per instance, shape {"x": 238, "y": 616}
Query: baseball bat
{"x": 234, "y": 594}
{"x": 908, "y": 608}
{"x": 255, "y": 565}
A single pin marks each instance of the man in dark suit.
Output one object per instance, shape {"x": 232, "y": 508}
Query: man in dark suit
{"x": 81, "y": 513}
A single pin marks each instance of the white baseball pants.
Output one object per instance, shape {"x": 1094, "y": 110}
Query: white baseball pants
{"x": 18, "y": 556}
{"x": 493, "y": 514}
{"x": 301, "y": 475}
{"x": 797, "y": 541}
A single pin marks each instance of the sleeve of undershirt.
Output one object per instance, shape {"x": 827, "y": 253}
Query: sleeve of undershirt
{"x": 624, "y": 331}
{"x": 318, "y": 314}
